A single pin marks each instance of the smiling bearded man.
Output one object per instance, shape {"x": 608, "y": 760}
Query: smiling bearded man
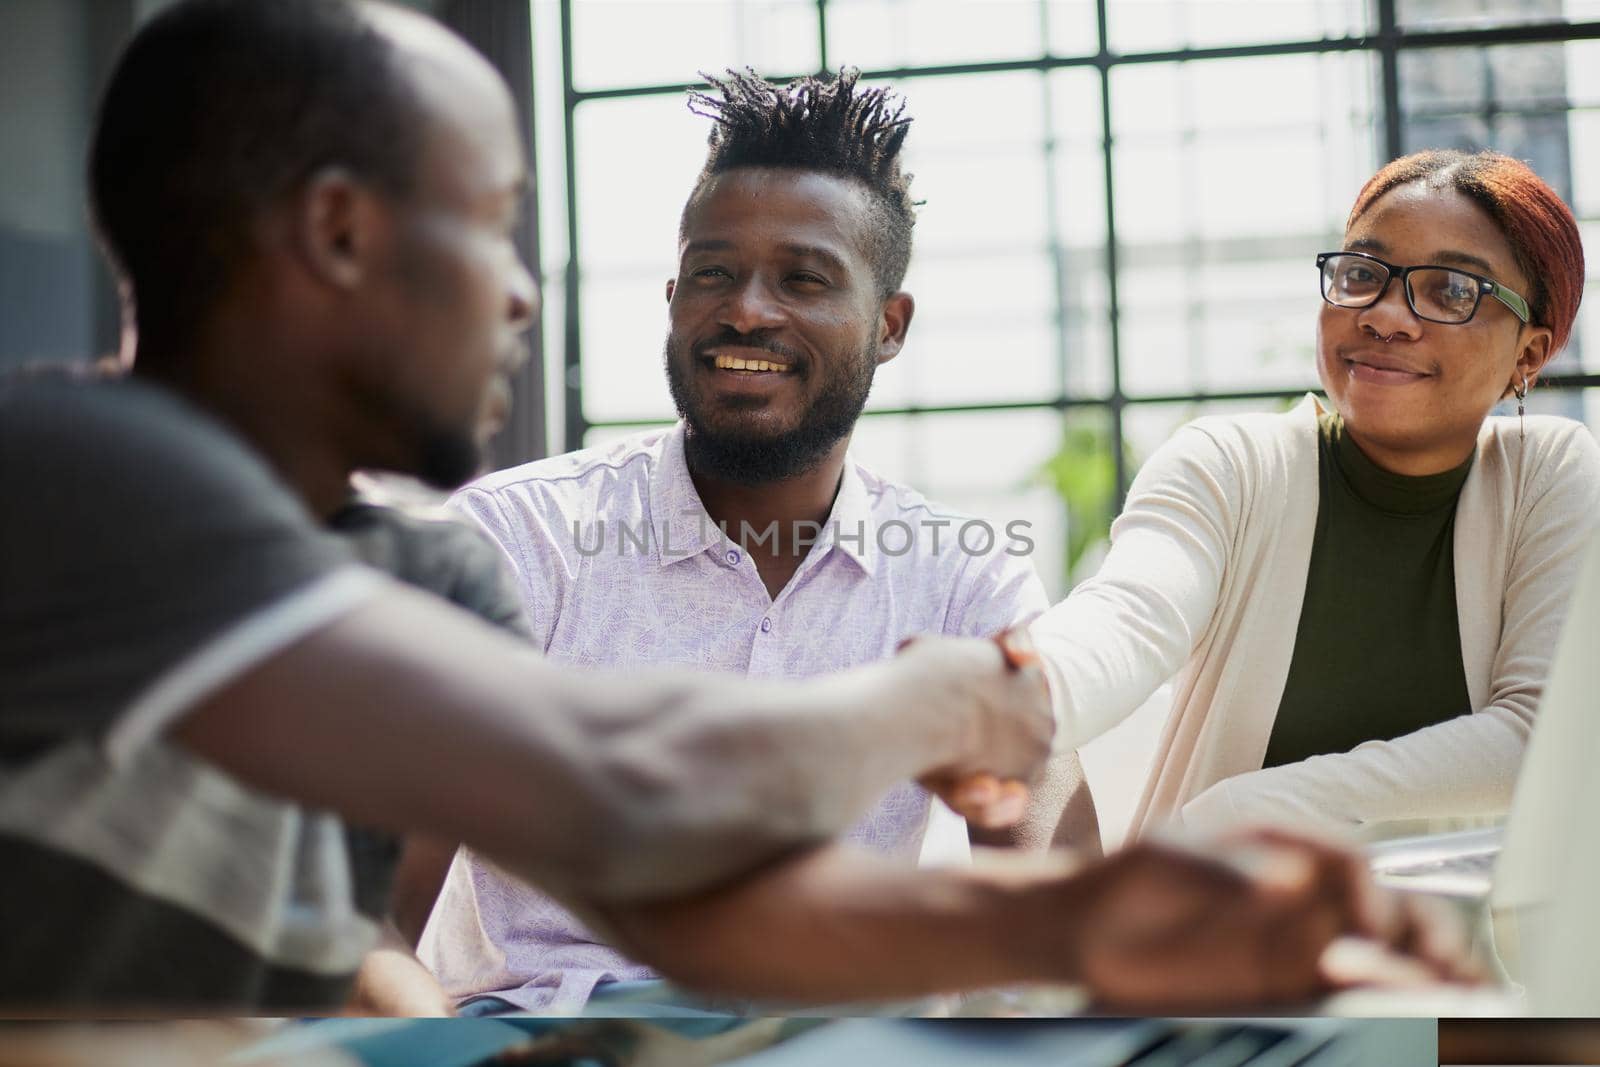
{"x": 792, "y": 248}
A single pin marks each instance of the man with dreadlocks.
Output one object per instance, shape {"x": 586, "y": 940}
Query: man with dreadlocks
{"x": 744, "y": 539}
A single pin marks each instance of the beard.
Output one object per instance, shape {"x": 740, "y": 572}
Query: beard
{"x": 721, "y": 445}
{"x": 447, "y": 458}
{"x": 442, "y": 453}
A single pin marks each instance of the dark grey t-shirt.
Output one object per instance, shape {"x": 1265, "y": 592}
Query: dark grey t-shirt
{"x": 147, "y": 557}
{"x": 440, "y": 552}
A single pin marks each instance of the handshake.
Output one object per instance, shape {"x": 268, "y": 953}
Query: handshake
{"x": 1011, "y": 728}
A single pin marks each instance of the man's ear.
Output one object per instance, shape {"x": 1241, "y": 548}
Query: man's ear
{"x": 337, "y": 225}
{"x": 672, "y": 285}
{"x": 893, "y": 322}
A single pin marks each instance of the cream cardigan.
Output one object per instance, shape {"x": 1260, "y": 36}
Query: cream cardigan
{"x": 1205, "y": 578}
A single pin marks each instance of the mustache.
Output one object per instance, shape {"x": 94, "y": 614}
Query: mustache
{"x": 762, "y": 339}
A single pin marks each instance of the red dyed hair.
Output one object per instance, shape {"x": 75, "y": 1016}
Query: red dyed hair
{"x": 1539, "y": 227}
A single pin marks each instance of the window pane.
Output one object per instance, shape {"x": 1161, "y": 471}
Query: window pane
{"x": 1514, "y": 79}
{"x": 887, "y": 34}
{"x": 1583, "y": 131}
{"x": 1238, "y": 326}
{"x": 1162, "y": 25}
{"x": 625, "y": 221}
{"x": 976, "y": 150}
{"x": 629, "y": 244}
{"x": 1000, "y": 482}
{"x": 1568, "y": 403}
{"x": 1220, "y": 210}
{"x": 1537, "y": 102}
{"x": 1591, "y": 409}
{"x": 1579, "y": 357}
{"x": 981, "y": 268}
{"x": 1148, "y": 426}
{"x": 1481, "y": 14}
{"x": 1511, "y": 98}
{"x": 1076, "y": 166}
{"x": 620, "y": 43}
{"x": 982, "y": 332}
{"x": 624, "y": 328}
{"x": 1074, "y": 28}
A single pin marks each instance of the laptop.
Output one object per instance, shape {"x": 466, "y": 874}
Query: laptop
{"x": 1459, "y": 865}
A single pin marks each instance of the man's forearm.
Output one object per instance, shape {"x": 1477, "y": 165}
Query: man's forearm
{"x": 836, "y": 924}
{"x": 631, "y": 786}
{"x": 1156, "y": 927}
{"x": 812, "y": 757}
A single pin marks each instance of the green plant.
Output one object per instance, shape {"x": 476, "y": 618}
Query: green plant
{"x": 1084, "y": 475}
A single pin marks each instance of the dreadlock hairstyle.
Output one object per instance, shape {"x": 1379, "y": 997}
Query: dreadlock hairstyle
{"x": 1539, "y": 227}
{"x": 819, "y": 123}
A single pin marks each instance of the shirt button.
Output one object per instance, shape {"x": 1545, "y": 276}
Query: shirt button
{"x": 766, "y": 626}
{"x": 733, "y": 556}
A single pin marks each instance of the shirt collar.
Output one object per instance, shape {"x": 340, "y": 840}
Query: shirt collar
{"x": 684, "y": 528}
{"x": 850, "y": 527}
{"x": 680, "y": 521}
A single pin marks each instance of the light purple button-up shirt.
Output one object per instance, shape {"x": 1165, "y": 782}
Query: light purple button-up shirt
{"x": 619, "y": 566}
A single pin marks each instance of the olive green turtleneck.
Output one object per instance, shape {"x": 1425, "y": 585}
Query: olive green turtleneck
{"x": 1378, "y": 650}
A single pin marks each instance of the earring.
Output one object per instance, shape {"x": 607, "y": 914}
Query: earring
{"x": 1521, "y": 395}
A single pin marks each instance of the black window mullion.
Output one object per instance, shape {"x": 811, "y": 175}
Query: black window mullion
{"x": 1104, "y": 63}
{"x": 1389, "y": 64}
{"x": 572, "y": 349}
{"x": 822, "y": 36}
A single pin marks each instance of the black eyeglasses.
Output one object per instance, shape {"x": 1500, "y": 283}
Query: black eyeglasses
{"x": 1436, "y": 294}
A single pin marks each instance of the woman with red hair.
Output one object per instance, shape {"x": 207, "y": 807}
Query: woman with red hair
{"x": 1357, "y": 600}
